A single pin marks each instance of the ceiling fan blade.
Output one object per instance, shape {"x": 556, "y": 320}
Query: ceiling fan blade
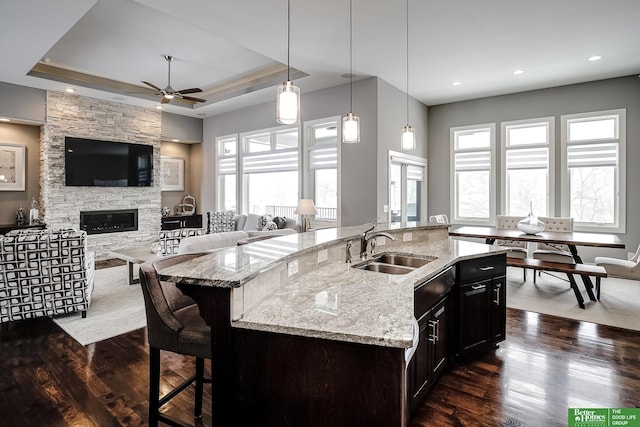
{"x": 190, "y": 98}
{"x": 153, "y": 86}
{"x": 192, "y": 90}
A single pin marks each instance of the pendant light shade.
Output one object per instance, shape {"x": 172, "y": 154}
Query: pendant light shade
{"x": 351, "y": 129}
{"x": 351, "y": 123}
{"x": 408, "y": 141}
{"x": 408, "y": 138}
{"x": 288, "y": 101}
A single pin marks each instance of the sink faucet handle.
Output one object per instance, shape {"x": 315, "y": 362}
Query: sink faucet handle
{"x": 348, "y": 252}
{"x": 373, "y": 246}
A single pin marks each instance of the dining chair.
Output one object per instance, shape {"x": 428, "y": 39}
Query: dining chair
{"x": 518, "y": 249}
{"x": 621, "y": 268}
{"x": 173, "y": 324}
{"x": 440, "y": 219}
{"x": 551, "y": 251}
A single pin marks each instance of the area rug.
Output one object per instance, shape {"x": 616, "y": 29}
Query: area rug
{"x": 116, "y": 308}
{"x": 619, "y": 303}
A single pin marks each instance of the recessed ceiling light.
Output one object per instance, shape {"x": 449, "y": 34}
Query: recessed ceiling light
{"x": 518, "y": 72}
{"x": 175, "y": 140}
{"x": 4, "y": 119}
{"x": 158, "y": 107}
{"x": 456, "y": 83}
{"x": 594, "y": 58}
{"x": 70, "y": 90}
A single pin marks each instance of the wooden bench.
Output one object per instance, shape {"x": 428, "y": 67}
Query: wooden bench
{"x": 570, "y": 269}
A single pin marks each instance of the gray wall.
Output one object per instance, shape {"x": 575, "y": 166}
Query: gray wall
{"x": 358, "y": 171}
{"x": 10, "y": 201}
{"x": 623, "y": 92}
{"x": 186, "y": 129}
{"x": 392, "y": 116}
{"x": 22, "y": 103}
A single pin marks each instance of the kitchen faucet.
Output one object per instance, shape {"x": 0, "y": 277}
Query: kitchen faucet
{"x": 367, "y": 236}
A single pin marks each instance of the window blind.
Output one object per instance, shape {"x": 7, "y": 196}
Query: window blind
{"x": 275, "y": 161}
{"x": 473, "y": 161}
{"x": 585, "y": 155}
{"x": 323, "y": 157}
{"x": 528, "y": 158}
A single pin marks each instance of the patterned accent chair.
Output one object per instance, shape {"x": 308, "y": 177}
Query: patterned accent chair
{"x": 44, "y": 273}
{"x": 518, "y": 249}
{"x": 170, "y": 239}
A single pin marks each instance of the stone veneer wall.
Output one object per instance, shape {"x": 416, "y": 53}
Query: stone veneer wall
{"x": 78, "y": 116}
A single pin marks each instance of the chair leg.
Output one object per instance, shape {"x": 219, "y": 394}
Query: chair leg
{"x": 154, "y": 386}
{"x": 197, "y": 413}
{"x": 524, "y": 272}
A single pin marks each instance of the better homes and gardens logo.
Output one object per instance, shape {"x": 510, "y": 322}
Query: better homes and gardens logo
{"x": 604, "y": 417}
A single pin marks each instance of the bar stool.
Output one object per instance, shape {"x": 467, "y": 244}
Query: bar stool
{"x": 173, "y": 324}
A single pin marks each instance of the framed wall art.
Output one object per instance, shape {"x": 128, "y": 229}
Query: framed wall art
{"x": 12, "y": 167}
{"x": 171, "y": 173}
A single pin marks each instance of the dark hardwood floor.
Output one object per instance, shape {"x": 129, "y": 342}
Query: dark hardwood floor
{"x": 547, "y": 365}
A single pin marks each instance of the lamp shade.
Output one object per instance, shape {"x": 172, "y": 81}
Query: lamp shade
{"x": 306, "y": 207}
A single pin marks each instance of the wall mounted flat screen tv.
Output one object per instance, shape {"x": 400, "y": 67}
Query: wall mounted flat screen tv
{"x": 93, "y": 163}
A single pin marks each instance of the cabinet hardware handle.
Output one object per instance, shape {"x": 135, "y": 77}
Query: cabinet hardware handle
{"x": 487, "y": 268}
{"x": 476, "y": 287}
{"x": 433, "y": 337}
{"x": 497, "y": 300}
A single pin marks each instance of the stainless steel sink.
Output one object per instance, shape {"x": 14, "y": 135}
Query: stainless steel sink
{"x": 394, "y": 263}
{"x": 385, "y": 268}
{"x": 406, "y": 260}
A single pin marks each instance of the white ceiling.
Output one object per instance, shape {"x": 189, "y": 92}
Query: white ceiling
{"x": 479, "y": 43}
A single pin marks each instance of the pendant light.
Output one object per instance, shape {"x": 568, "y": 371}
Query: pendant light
{"x": 408, "y": 134}
{"x": 351, "y": 123}
{"x": 288, "y": 102}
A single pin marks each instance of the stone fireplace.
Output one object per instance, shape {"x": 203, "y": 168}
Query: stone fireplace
{"x": 73, "y": 115}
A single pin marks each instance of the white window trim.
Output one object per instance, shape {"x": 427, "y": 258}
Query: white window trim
{"x": 492, "y": 175}
{"x": 216, "y": 157}
{"x": 307, "y": 187}
{"x": 621, "y": 202}
{"x": 243, "y": 149}
{"x": 551, "y": 126}
{"x": 407, "y": 159}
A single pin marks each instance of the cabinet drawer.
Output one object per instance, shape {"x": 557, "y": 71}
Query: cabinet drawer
{"x": 481, "y": 268}
{"x": 428, "y": 293}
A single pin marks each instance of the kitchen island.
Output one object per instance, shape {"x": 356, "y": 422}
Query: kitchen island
{"x": 300, "y": 337}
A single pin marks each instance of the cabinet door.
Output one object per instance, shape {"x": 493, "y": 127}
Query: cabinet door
{"x": 439, "y": 338}
{"x": 419, "y": 367}
{"x": 474, "y": 332}
{"x": 171, "y": 223}
{"x": 498, "y": 309}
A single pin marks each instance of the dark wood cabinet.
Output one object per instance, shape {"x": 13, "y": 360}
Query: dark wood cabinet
{"x": 481, "y": 315}
{"x": 173, "y": 222}
{"x": 433, "y": 313}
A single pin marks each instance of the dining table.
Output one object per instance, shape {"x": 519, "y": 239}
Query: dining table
{"x": 572, "y": 240}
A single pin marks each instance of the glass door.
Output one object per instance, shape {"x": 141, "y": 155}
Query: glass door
{"x": 407, "y": 198}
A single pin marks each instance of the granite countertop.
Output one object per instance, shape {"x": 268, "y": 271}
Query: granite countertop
{"x": 332, "y": 301}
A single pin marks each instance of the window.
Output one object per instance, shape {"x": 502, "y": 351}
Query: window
{"x": 269, "y": 162}
{"x": 527, "y": 153}
{"x": 226, "y": 164}
{"x": 322, "y": 164}
{"x": 593, "y": 180}
{"x": 407, "y": 184}
{"x": 473, "y": 174}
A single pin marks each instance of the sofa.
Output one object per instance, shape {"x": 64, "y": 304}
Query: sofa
{"x": 230, "y": 221}
{"x": 44, "y": 273}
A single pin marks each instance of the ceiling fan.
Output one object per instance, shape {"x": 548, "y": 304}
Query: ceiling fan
{"x": 168, "y": 93}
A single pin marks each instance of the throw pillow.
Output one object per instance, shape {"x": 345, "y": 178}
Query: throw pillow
{"x": 220, "y": 221}
{"x": 263, "y": 220}
{"x": 270, "y": 226}
{"x": 280, "y": 222}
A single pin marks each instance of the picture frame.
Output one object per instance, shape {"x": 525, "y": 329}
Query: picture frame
{"x": 12, "y": 167}
{"x": 171, "y": 173}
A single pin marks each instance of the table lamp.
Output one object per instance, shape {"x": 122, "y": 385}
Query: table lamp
{"x": 305, "y": 208}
